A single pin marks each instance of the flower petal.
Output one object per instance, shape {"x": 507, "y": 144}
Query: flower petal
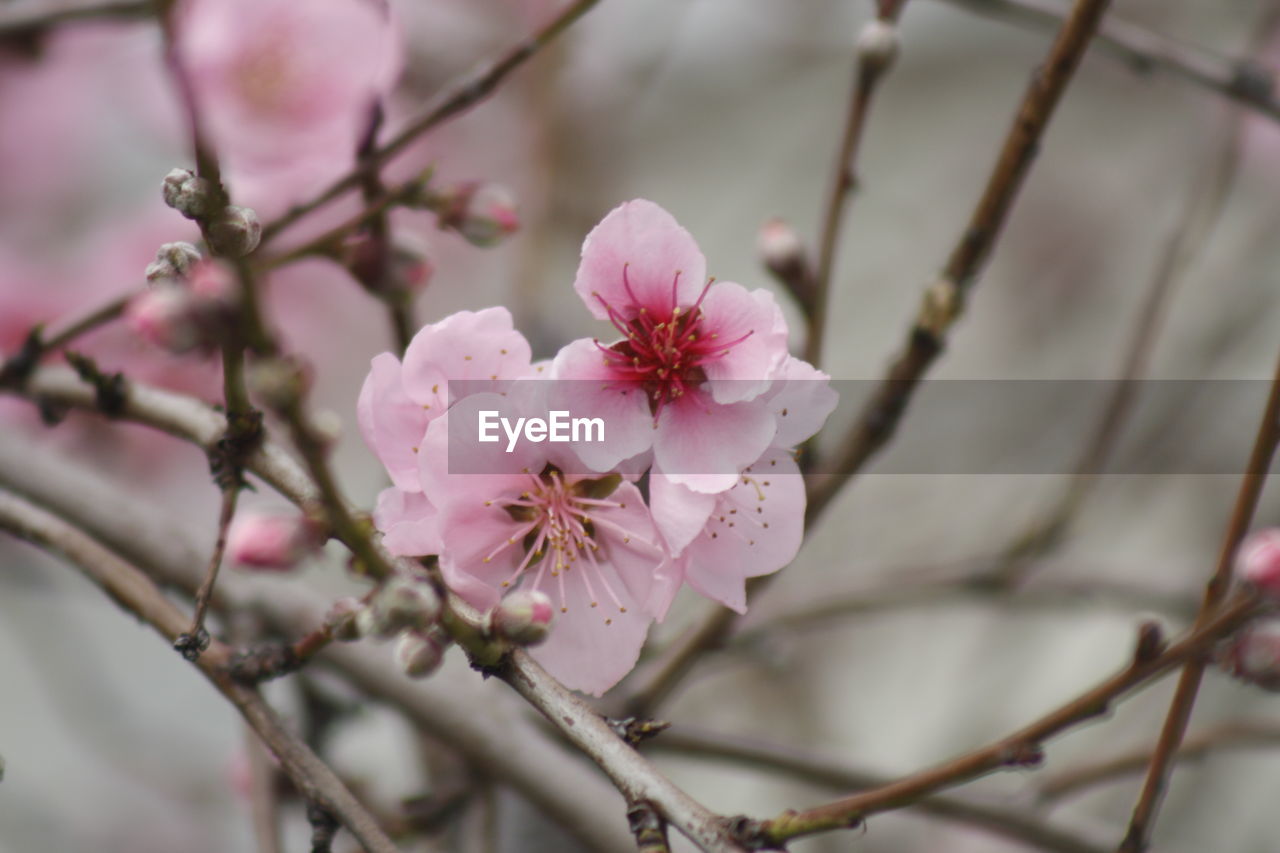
{"x": 703, "y": 445}
{"x": 801, "y": 399}
{"x": 639, "y": 257}
{"x": 475, "y": 346}
{"x": 586, "y": 387}
{"x": 391, "y": 423}
{"x": 752, "y": 327}
{"x": 408, "y": 522}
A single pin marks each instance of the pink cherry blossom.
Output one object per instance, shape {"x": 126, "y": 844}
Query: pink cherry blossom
{"x": 287, "y": 88}
{"x": 717, "y": 541}
{"x": 587, "y": 542}
{"x": 687, "y": 377}
{"x": 1258, "y": 560}
{"x": 398, "y": 400}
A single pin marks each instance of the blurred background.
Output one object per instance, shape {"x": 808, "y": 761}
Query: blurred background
{"x": 726, "y": 112}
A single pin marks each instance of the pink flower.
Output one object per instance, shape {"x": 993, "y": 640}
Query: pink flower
{"x": 1253, "y": 654}
{"x": 398, "y": 402}
{"x": 687, "y": 377}
{"x": 274, "y": 542}
{"x": 587, "y": 542}
{"x": 287, "y": 88}
{"x": 717, "y": 541}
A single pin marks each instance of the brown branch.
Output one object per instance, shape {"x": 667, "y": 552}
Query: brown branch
{"x": 1243, "y": 80}
{"x": 195, "y": 639}
{"x": 136, "y": 593}
{"x": 942, "y": 305}
{"x": 872, "y": 63}
{"x": 1020, "y": 749}
{"x": 1228, "y": 736}
{"x": 113, "y": 310}
{"x": 27, "y": 24}
{"x": 820, "y": 770}
{"x": 1175, "y": 726}
{"x": 454, "y": 99}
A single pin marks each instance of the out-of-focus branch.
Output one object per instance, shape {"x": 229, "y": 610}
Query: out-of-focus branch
{"x": 1021, "y": 749}
{"x": 877, "y": 47}
{"x": 501, "y": 745}
{"x": 1218, "y": 739}
{"x": 942, "y": 305}
{"x": 639, "y": 780}
{"x": 820, "y": 770}
{"x": 1175, "y": 726}
{"x": 27, "y": 23}
{"x": 135, "y": 592}
{"x": 1244, "y": 80}
{"x": 455, "y": 98}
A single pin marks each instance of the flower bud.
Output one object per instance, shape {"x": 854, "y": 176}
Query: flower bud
{"x": 877, "y": 45}
{"x": 523, "y": 617}
{"x": 420, "y": 653}
{"x": 273, "y": 542}
{"x": 188, "y": 194}
{"x": 400, "y": 603}
{"x": 235, "y": 232}
{"x": 781, "y": 249}
{"x": 341, "y": 620}
{"x": 484, "y": 214}
{"x": 1253, "y": 654}
{"x": 1258, "y": 561}
{"x": 173, "y": 262}
{"x": 411, "y": 269}
{"x": 164, "y": 317}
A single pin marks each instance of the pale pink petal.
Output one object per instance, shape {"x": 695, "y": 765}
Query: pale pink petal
{"x": 591, "y": 648}
{"x": 585, "y": 387}
{"x": 662, "y": 263}
{"x": 482, "y": 548}
{"x": 667, "y": 580}
{"x": 454, "y": 465}
{"x": 392, "y": 425}
{"x": 755, "y": 529}
{"x": 629, "y": 540}
{"x": 801, "y": 399}
{"x": 703, "y": 445}
{"x": 408, "y": 522}
{"x": 477, "y": 346}
{"x": 751, "y": 326}
{"x": 679, "y": 512}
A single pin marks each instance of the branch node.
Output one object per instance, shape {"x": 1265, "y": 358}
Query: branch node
{"x": 191, "y": 645}
{"x": 635, "y": 730}
{"x": 110, "y": 391}
{"x": 263, "y": 663}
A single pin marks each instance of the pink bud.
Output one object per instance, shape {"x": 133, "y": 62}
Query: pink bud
{"x": 164, "y": 317}
{"x": 523, "y": 617}
{"x": 420, "y": 653}
{"x": 212, "y": 281}
{"x": 780, "y": 248}
{"x": 484, "y": 214}
{"x": 1258, "y": 561}
{"x": 272, "y": 542}
{"x": 1253, "y": 655}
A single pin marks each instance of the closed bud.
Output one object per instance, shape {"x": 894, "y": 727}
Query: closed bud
{"x": 484, "y": 214}
{"x": 272, "y": 542}
{"x": 190, "y": 195}
{"x": 411, "y": 269}
{"x": 877, "y": 45}
{"x": 341, "y": 619}
{"x": 1258, "y": 561}
{"x": 781, "y": 249}
{"x": 1253, "y": 654}
{"x": 173, "y": 262}
{"x": 401, "y": 604}
{"x": 420, "y": 653}
{"x": 524, "y": 617}
{"x": 235, "y": 232}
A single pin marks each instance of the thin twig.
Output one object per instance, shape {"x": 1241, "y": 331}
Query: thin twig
{"x": 99, "y": 317}
{"x": 820, "y": 770}
{"x": 941, "y": 307}
{"x": 869, "y": 70}
{"x": 1175, "y": 726}
{"x": 455, "y": 98}
{"x": 1243, "y": 80}
{"x": 1020, "y": 749}
{"x": 196, "y": 639}
{"x": 1228, "y": 736}
{"x": 134, "y": 591}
